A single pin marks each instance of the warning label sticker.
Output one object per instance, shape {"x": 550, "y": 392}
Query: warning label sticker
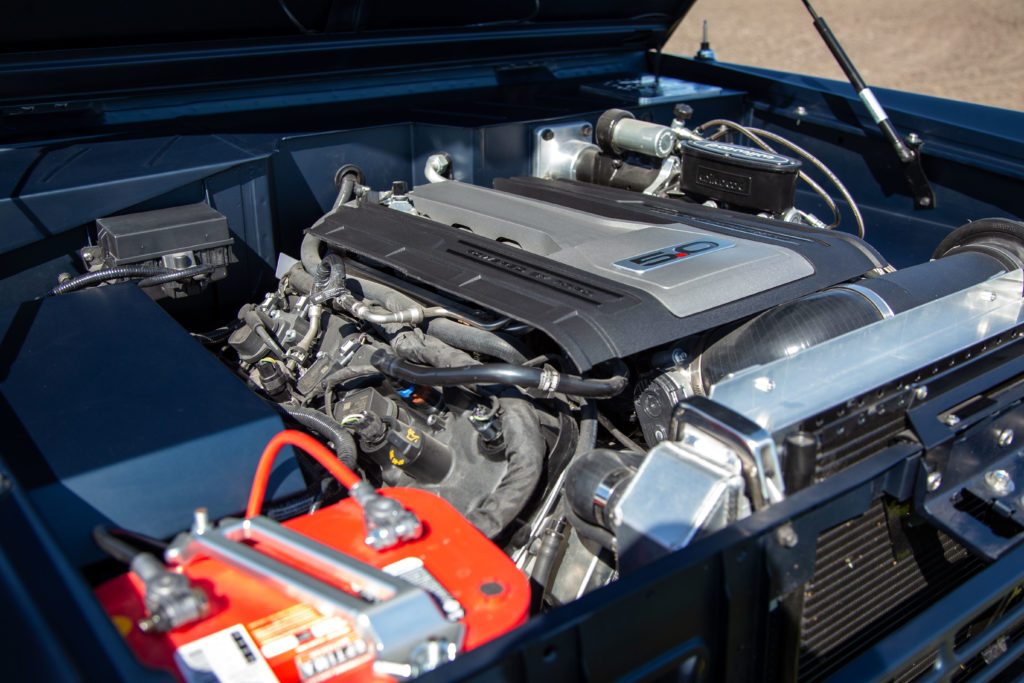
{"x": 228, "y": 656}
{"x": 321, "y": 646}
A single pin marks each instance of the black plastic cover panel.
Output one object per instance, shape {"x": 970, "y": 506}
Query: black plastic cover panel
{"x": 593, "y": 318}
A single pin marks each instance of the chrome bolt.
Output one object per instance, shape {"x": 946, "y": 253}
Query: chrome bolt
{"x": 290, "y": 335}
{"x": 934, "y": 481}
{"x": 921, "y": 393}
{"x": 431, "y": 654}
{"x": 88, "y": 257}
{"x": 952, "y": 420}
{"x": 800, "y": 111}
{"x": 1005, "y": 437}
{"x": 678, "y": 356}
{"x": 913, "y": 139}
{"x": 200, "y": 521}
{"x": 999, "y": 481}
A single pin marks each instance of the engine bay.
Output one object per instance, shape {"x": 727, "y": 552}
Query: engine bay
{"x": 532, "y": 384}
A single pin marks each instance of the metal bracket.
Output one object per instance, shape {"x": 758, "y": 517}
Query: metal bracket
{"x": 393, "y": 614}
{"x": 924, "y": 195}
{"x": 737, "y": 432}
{"x": 556, "y": 148}
{"x": 669, "y": 168}
{"x": 972, "y": 491}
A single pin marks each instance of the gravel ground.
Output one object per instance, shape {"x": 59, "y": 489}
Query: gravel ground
{"x": 961, "y": 50}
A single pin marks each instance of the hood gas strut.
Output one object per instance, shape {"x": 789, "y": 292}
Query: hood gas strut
{"x": 909, "y": 151}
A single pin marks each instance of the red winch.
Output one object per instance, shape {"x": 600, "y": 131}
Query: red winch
{"x": 380, "y": 585}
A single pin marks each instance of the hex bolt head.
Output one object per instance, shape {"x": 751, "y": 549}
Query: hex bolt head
{"x": 934, "y": 481}
{"x": 952, "y": 420}
{"x": 1005, "y": 438}
{"x": 800, "y": 111}
{"x": 921, "y": 393}
{"x": 786, "y": 536}
{"x": 1000, "y": 482}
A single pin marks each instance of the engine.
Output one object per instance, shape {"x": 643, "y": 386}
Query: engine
{"x": 540, "y": 354}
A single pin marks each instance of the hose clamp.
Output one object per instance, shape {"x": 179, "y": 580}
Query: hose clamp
{"x": 872, "y": 297}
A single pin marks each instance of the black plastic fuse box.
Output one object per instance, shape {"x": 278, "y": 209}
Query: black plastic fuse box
{"x": 178, "y": 237}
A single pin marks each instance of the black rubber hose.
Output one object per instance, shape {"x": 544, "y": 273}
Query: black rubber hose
{"x": 999, "y": 238}
{"x": 330, "y": 274}
{"x": 627, "y": 442}
{"x": 120, "y": 272}
{"x": 588, "y": 430}
{"x": 175, "y": 275}
{"x": 294, "y": 506}
{"x": 451, "y": 332}
{"x": 460, "y": 336}
{"x": 344, "y": 444}
{"x": 115, "y": 547}
{"x": 346, "y": 191}
{"x": 549, "y": 551}
{"x": 300, "y": 279}
{"x": 141, "y": 542}
{"x": 496, "y": 373}
{"x": 474, "y": 339}
{"x": 415, "y": 346}
{"x": 524, "y": 449}
{"x": 309, "y": 253}
{"x": 585, "y": 529}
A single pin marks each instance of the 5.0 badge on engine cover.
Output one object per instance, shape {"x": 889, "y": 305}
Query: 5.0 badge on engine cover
{"x": 663, "y": 257}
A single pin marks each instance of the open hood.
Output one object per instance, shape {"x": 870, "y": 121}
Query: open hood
{"x": 55, "y": 56}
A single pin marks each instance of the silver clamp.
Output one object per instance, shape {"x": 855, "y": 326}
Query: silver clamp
{"x": 387, "y": 523}
{"x": 873, "y": 298}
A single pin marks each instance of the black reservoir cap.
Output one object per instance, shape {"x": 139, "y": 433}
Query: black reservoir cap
{"x": 739, "y": 155}
{"x": 743, "y": 177}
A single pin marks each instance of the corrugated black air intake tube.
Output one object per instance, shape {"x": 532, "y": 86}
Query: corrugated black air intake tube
{"x": 971, "y": 254}
{"x": 344, "y": 444}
